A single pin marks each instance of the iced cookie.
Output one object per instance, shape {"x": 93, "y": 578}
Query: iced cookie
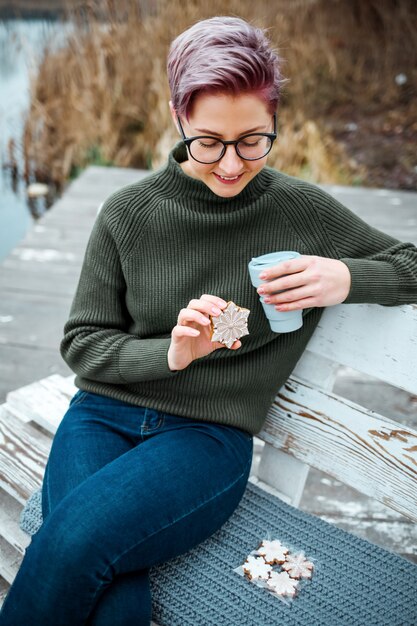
{"x": 231, "y": 324}
{"x": 297, "y": 566}
{"x": 282, "y": 584}
{"x": 256, "y": 569}
{"x": 273, "y": 551}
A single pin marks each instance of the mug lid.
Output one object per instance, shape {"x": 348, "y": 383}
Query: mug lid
{"x": 266, "y": 259}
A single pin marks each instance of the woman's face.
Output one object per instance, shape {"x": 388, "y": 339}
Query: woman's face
{"x": 226, "y": 117}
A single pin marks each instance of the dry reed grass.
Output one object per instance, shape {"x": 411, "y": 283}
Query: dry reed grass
{"x": 104, "y": 96}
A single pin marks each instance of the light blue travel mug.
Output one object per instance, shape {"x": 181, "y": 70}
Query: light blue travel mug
{"x": 279, "y": 321}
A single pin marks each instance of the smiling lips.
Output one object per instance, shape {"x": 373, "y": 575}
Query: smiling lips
{"x": 226, "y": 180}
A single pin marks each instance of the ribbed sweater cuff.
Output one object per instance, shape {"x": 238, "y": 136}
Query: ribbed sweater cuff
{"x": 145, "y": 360}
{"x": 372, "y": 282}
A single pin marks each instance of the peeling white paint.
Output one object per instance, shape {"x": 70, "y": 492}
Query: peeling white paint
{"x": 363, "y": 344}
{"x": 42, "y": 256}
{"x": 29, "y": 463}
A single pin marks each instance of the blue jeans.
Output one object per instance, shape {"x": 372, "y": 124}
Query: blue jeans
{"x": 125, "y": 488}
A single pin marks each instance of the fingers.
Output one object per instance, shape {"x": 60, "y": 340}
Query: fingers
{"x": 294, "y": 273}
{"x": 184, "y": 331}
{"x": 292, "y": 295}
{"x": 198, "y": 312}
{"x": 282, "y": 284}
{"x": 289, "y": 281}
{"x": 306, "y": 303}
{"x": 206, "y": 305}
{"x": 287, "y": 267}
{"x": 192, "y": 315}
{"x": 210, "y": 304}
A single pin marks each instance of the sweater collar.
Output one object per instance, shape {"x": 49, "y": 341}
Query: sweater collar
{"x": 202, "y": 197}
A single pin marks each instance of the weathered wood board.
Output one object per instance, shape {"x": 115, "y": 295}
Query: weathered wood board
{"x": 10, "y": 530}
{"x": 356, "y": 336}
{"x": 10, "y": 561}
{"x": 43, "y": 402}
{"x": 23, "y": 455}
{"x": 364, "y": 450}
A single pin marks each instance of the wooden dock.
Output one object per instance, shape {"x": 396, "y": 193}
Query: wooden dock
{"x": 37, "y": 283}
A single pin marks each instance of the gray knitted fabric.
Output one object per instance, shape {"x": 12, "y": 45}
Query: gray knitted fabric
{"x": 31, "y": 516}
{"x": 355, "y": 583}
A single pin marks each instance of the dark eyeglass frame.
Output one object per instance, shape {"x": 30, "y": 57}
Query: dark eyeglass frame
{"x": 188, "y": 140}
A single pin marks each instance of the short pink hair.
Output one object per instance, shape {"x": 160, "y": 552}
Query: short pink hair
{"x": 222, "y": 55}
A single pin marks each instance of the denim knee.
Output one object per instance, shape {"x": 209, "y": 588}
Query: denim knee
{"x": 69, "y": 545}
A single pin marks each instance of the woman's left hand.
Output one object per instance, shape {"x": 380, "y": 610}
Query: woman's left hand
{"x": 309, "y": 281}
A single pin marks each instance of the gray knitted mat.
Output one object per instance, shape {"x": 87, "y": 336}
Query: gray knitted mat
{"x": 354, "y": 583}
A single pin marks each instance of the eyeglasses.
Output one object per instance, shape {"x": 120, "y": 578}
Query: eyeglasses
{"x": 251, "y": 147}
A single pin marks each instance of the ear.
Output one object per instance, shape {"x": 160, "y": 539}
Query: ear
{"x": 174, "y": 115}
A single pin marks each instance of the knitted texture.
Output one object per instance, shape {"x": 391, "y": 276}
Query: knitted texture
{"x": 168, "y": 239}
{"x": 31, "y": 515}
{"x": 355, "y": 583}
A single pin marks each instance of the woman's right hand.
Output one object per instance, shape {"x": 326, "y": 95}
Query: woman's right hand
{"x": 191, "y": 337}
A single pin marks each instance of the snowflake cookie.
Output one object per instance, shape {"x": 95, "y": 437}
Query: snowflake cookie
{"x": 231, "y": 324}
{"x": 281, "y": 584}
{"x": 273, "y": 551}
{"x": 297, "y": 566}
{"x": 256, "y": 569}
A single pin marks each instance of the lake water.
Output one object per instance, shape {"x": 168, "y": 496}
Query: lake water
{"x": 21, "y": 44}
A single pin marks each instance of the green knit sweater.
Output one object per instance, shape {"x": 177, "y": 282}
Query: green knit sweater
{"x": 166, "y": 239}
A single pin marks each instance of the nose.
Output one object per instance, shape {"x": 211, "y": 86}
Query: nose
{"x": 231, "y": 163}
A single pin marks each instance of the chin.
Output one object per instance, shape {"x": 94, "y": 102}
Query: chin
{"x": 226, "y": 193}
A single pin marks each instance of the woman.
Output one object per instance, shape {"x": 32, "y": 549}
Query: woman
{"x": 155, "y": 450}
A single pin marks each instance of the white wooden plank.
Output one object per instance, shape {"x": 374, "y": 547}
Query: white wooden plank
{"x": 269, "y": 489}
{"x": 317, "y": 370}
{"x": 365, "y": 450}
{"x": 10, "y": 530}
{"x": 4, "y": 589}
{"x": 23, "y": 455}
{"x": 44, "y": 402}
{"x": 286, "y": 473}
{"x": 379, "y": 341}
{"x": 10, "y": 561}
